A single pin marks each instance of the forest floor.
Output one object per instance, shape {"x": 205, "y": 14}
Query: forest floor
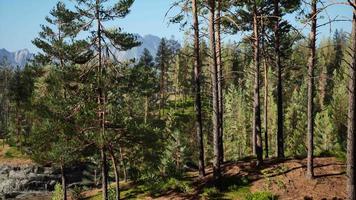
{"x": 12, "y": 156}
{"x": 241, "y": 180}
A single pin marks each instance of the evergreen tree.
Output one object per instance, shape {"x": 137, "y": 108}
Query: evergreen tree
{"x": 351, "y": 188}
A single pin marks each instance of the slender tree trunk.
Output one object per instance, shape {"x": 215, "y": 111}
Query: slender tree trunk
{"x": 146, "y": 109}
{"x": 215, "y": 91}
{"x": 266, "y": 106}
{"x": 311, "y": 65}
{"x": 101, "y": 103}
{"x": 116, "y": 166}
{"x": 104, "y": 172}
{"x": 123, "y": 164}
{"x": 18, "y": 127}
{"x": 64, "y": 183}
{"x": 351, "y": 131}
{"x": 220, "y": 79}
{"x": 280, "y": 118}
{"x": 197, "y": 78}
{"x": 95, "y": 177}
{"x": 256, "y": 132}
{"x": 265, "y": 70}
{"x": 161, "y": 92}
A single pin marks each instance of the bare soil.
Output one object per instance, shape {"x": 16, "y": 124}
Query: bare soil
{"x": 286, "y": 179}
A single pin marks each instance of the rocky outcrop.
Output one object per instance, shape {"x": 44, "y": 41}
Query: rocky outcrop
{"x": 16, "y": 181}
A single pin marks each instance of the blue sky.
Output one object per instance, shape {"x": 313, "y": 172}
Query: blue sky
{"x": 20, "y": 20}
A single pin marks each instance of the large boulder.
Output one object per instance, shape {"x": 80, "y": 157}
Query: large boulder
{"x": 26, "y": 179}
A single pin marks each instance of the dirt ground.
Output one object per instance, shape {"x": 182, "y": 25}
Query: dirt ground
{"x": 285, "y": 179}
{"x": 289, "y": 182}
{"x": 15, "y": 161}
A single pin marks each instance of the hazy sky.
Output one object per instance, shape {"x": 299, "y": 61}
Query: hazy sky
{"x": 20, "y": 20}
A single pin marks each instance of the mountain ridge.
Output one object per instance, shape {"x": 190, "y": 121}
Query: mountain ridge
{"x": 149, "y": 41}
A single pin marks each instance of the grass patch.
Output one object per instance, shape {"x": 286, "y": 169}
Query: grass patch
{"x": 211, "y": 193}
{"x": 238, "y": 192}
{"x": 154, "y": 189}
{"x": 13, "y": 152}
{"x": 172, "y": 184}
{"x": 261, "y": 196}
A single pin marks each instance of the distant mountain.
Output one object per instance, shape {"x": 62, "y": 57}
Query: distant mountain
{"x": 17, "y": 58}
{"x": 149, "y": 42}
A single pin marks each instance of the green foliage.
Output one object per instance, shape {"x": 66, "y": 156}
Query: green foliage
{"x": 296, "y": 123}
{"x": 13, "y": 152}
{"x": 211, "y": 193}
{"x": 261, "y": 196}
{"x": 325, "y": 133}
{"x": 236, "y": 126}
{"x": 111, "y": 193}
{"x": 76, "y": 193}
{"x": 58, "y": 192}
{"x": 161, "y": 186}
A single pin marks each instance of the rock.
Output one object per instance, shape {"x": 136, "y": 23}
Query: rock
{"x": 25, "y": 179}
{"x": 18, "y": 174}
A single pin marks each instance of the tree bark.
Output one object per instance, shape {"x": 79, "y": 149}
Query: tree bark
{"x": 197, "y": 79}
{"x": 104, "y": 172}
{"x": 215, "y": 91}
{"x": 116, "y": 166}
{"x": 311, "y": 66}
{"x": 146, "y": 109}
{"x": 280, "y": 118}
{"x": 351, "y": 130}
{"x": 265, "y": 70}
{"x": 220, "y": 79}
{"x": 64, "y": 183}
{"x": 256, "y": 132}
{"x": 123, "y": 165}
{"x": 162, "y": 87}
{"x": 266, "y": 107}
{"x": 101, "y": 103}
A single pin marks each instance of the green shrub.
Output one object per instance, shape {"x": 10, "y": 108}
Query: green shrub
{"x": 211, "y": 194}
{"x": 261, "y": 196}
{"x": 177, "y": 185}
{"x": 111, "y": 193}
{"x": 165, "y": 185}
{"x": 58, "y": 192}
{"x": 76, "y": 193}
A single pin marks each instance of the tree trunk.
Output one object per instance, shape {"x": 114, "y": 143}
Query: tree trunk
{"x": 256, "y": 132}
{"x": 161, "y": 92}
{"x": 265, "y": 70}
{"x": 104, "y": 172}
{"x": 117, "y": 175}
{"x": 215, "y": 91}
{"x": 146, "y": 109}
{"x": 266, "y": 107}
{"x": 197, "y": 78}
{"x": 351, "y": 131}
{"x": 64, "y": 184}
{"x": 220, "y": 80}
{"x": 280, "y": 118}
{"x": 311, "y": 65}
{"x": 101, "y": 103}
{"x": 123, "y": 164}
{"x": 18, "y": 128}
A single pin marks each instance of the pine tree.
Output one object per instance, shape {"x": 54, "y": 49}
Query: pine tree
{"x": 351, "y": 130}
{"x": 63, "y": 26}
{"x": 215, "y": 91}
{"x": 311, "y": 67}
{"x": 197, "y": 78}
{"x": 102, "y": 36}
{"x": 256, "y": 131}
